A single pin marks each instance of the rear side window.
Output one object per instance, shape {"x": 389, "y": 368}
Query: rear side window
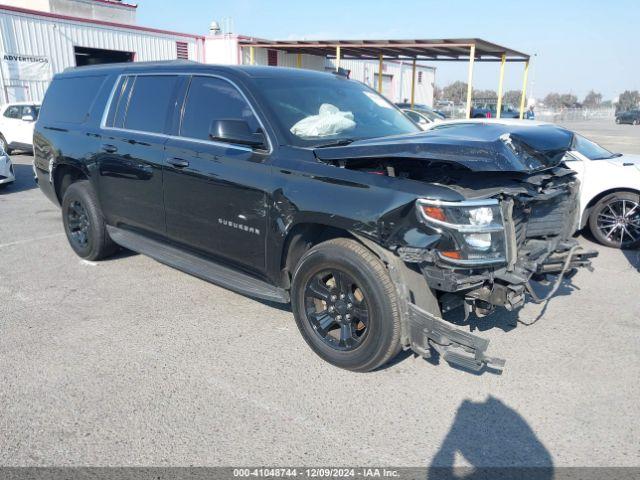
{"x": 69, "y": 100}
{"x": 212, "y": 99}
{"x": 12, "y": 112}
{"x": 151, "y": 103}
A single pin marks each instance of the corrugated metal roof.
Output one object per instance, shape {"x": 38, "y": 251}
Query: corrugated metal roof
{"x": 455, "y": 49}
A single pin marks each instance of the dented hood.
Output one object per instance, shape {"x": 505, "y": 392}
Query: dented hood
{"x": 479, "y": 147}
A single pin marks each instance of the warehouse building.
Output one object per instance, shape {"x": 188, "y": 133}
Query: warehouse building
{"x": 39, "y": 38}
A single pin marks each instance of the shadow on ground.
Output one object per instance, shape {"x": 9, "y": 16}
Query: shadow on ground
{"x": 489, "y": 440}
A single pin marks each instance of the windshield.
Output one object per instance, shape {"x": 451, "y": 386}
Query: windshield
{"x": 325, "y": 109}
{"x": 590, "y": 149}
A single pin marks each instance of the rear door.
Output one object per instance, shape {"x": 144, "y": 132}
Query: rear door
{"x": 215, "y": 193}
{"x": 132, "y": 156}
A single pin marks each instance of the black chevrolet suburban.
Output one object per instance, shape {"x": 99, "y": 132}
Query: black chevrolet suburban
{"x": 297, "y": 186}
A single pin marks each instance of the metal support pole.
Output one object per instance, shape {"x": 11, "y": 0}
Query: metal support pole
{"x": 524, "y": 89}
{"x": 252, "y": 57}
{"x": 500, "y": 83}
{"x": 380, "y": 74}
{"x": 299, "y": 60}
{"x": 337, "y": 57}
{"x": 472, "y": 57}
{"x": 413, "y": 83}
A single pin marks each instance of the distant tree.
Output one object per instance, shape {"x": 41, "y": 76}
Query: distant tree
{"x": 606, "y": 104}
{"x": 456, "y": 92}
{"x": 557, "y": 100}
{"x": 512, "y": 97}
{"x": 592, "y": 100}
{"x": 437, "y": 93}
{"x": 485, "y": 94}
{"x": 569, "y": 100}
{"x": 628, "y": 100}
{"x": 552, "y": 100}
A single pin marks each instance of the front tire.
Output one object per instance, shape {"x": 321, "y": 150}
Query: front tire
{"x": 345, "y": 305}
{"x": 615, "y": 220}
{"x": 84, "y": 224}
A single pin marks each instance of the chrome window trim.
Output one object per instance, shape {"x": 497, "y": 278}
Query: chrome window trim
{"x": 107, "y": 107}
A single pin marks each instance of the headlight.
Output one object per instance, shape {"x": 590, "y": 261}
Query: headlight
{"x": 475, "y": 228}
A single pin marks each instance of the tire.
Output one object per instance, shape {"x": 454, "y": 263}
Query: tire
{"x": 84, "y": 224}
{"x": 618, "y": 120}
{"x": 369, "y": 295}
{"x": 636, "y": 122}
{"x": 611, "y": 226}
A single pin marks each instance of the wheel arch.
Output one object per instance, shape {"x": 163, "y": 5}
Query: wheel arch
{"x": 300, "y": 238}
{"x": 64, "y": 174}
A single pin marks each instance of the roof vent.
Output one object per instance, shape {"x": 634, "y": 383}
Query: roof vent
{"x": 214, "y": 28}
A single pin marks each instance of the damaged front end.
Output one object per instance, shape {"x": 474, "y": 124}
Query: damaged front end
{"x": 530, "y": 244}
{"x": 512, "y": 233}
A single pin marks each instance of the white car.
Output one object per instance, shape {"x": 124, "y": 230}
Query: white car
{"x": 16, "y": 125}
{"x": 6, "y": 169}
{"x": 609, "y": 185}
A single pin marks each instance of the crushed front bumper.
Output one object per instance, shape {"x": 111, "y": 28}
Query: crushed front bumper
{"x": 455, "y": 346}
{"x": 480, "y": 292}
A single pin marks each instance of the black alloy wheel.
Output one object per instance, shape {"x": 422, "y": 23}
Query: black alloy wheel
{"x": 615, "y": 220}
{"x": 78, "y": 225}
{"x": 337, "y": 309}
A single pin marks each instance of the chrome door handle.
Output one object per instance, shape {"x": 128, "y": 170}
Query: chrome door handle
{"x": 109, "y": 148}
{"x": 178, "y": 162}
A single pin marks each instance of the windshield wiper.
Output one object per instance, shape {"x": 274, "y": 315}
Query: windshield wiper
{"x": 335, "y": 143}
{"x": 615, "y": 155}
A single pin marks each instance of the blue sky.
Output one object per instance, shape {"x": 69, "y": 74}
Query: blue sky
{"x": 579, "y": 45}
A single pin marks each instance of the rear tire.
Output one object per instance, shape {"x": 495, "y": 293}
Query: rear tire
{"x": 84, "y": 224}
{"x": 613, "y": 215}
{"x": 636, "y": 122}
{"x": 345, "y": 305}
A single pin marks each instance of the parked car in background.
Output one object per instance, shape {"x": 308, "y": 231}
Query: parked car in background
{"x": 7, "y": 175}
{"x": 424, "y": 110}
{"x": 631, "y": 117}
{"x": 305, "y": 187}
{"x": 609, "y": 184}
{"x": 16, "y": 125}
{"x": 422, "y": 120}
{"x": 489, "y": 110}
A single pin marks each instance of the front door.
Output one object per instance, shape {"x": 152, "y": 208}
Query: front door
{"x": 215, "y": 193}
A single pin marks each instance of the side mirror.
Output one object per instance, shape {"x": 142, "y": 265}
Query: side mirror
{"x": 235, "y": 131}
{"x": 28, "y": 118}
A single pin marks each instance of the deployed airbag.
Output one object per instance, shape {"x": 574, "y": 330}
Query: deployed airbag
{"x": 329, "y": 121}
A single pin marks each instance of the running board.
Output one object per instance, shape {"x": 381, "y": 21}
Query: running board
{"x": 198, "y": 266}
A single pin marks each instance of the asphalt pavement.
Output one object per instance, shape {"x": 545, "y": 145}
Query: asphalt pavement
{"x": 130, "y": 362}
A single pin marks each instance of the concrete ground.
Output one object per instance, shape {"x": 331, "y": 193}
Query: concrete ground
{"x": 129, "y": 362}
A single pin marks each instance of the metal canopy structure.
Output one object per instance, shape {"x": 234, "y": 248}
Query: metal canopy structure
{"x": 469, "y": 50}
